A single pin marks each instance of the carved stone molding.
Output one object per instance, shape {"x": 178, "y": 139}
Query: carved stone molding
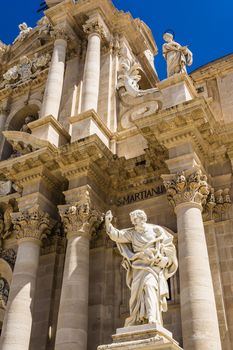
{"x": 186, "y": 187}
{"x": 80, "y": 218}
{"x": 32, "y": 224}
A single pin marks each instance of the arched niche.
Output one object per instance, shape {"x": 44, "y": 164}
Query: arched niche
{"x": 16, "y": 120}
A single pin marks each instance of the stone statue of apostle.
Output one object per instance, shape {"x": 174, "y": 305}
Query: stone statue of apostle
{"x": 177, "y": 56}
{"x": 150, "y": 259}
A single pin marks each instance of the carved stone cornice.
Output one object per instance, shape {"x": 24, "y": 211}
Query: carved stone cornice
{"x": 80, "y": 219}
{"x": 186, "y": 187}
{"x": 32, "y": 224}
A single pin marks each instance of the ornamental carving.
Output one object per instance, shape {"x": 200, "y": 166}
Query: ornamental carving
{"x": 9, "y": 255}
{"x": 4, "y": 292}
{"x": 80, "y": 219}
{"x": 218, "y": 205}
{"x": 32, "y": 223}
{"x": 26, "y": 69}
{"x": 129, "y": 77}
{"x": 185, "y": 187}
{"x": 6, "y": 228}
{"x": 91, "y": 27}
{"x": 27, "y": 120}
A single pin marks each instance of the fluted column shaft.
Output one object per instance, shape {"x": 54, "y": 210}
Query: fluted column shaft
{"x": 73, "y": 312}
{"x": 91, "y": 79}
{"x": 54, "y": 85}
{"x": 16, "y": 332}
{"x": 200, "y": 327}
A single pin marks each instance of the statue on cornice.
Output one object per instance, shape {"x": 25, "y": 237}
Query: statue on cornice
{"x": 149, "y": 256}
{"x": 24, "y": 31}
{"x": 27, "y": 120}
{"x": 177, "y": 56}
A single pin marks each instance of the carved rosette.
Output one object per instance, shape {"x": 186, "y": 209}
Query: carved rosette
{"x": 33, "y": 224}
{"x": 80, "y": 219}
{"x": 94, "y": 27}
{"x": 184, "y": 188}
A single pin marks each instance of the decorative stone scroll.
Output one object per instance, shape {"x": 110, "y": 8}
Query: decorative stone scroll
{"x": 186, "y": 187}
{"x": 25, "y": 70}
{"x": 129, "y": 77}
{"x": 32, "y": 224}
{"x": 80, "y": 219}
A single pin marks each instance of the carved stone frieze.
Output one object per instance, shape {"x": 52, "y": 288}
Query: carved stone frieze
{"x": 32, "y": 224}
{"x": 218, "y": 205}
{"x": 186, "y": 187}
{"x": 25, "y": 70}
{"x": 80, "y": 219}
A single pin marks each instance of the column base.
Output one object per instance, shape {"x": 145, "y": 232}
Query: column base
{"x": 143, "y": 337}
{"x": 49, "y": 129}
{"x": 89, "y": 123}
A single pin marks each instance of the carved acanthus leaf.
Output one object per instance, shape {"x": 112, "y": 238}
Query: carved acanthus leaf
{"x": 80, "y": 219}
{"x": 185, "y": 187}
{"x": 94, "y": 26}
{"x": 129, "y": 77}
{"x": 32, "y": 223}
{"x": 217, "y": 205}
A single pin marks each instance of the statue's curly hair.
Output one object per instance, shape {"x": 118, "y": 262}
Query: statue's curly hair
{"x": 139, "y": 213}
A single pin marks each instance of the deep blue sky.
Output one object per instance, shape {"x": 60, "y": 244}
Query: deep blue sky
{"x": 204, "y": 25}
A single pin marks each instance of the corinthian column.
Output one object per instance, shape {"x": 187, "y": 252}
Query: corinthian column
{"x": 31, "y": 227}
{"x": 187, "y": 192}
{"x": 91, "y": 80}
{"x": 78, "y": 223}
{"x": 54, "y": 85}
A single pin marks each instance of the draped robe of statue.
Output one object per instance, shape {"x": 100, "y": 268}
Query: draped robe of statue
{"x": 177, "y": 58}
{"x": 145, "y": 277}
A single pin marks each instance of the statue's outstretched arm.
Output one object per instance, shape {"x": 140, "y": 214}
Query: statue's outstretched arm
{"x": 119, "y": 236}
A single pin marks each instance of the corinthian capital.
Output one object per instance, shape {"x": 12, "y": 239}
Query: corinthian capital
{"x": 186, "y": 187}
{"x": 32, "y": 224}
{"x": 95, "y": 25}
{"x": 80, "y": 219}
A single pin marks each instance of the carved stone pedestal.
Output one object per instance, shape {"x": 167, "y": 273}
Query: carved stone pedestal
{"x": 144, "y": 337}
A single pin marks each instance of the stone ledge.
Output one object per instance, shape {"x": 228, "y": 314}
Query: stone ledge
{"x": 144, "y": 337}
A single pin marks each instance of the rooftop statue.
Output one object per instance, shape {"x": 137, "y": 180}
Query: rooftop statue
{"x": 150, "y": 260}
{"x": 24, "y": 31}
{"x": 177, "y": 56}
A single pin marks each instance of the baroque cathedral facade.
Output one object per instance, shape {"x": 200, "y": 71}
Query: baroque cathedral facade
{"x": 87, "y": 126}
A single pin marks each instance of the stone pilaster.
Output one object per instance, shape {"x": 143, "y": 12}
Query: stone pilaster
{"x": 54, "y": 85}
{"x": 95, "y": 30}
{"x": 79, "y": 221}
{"x": 31, "y": 226}
{"x": 187, "y": 192}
